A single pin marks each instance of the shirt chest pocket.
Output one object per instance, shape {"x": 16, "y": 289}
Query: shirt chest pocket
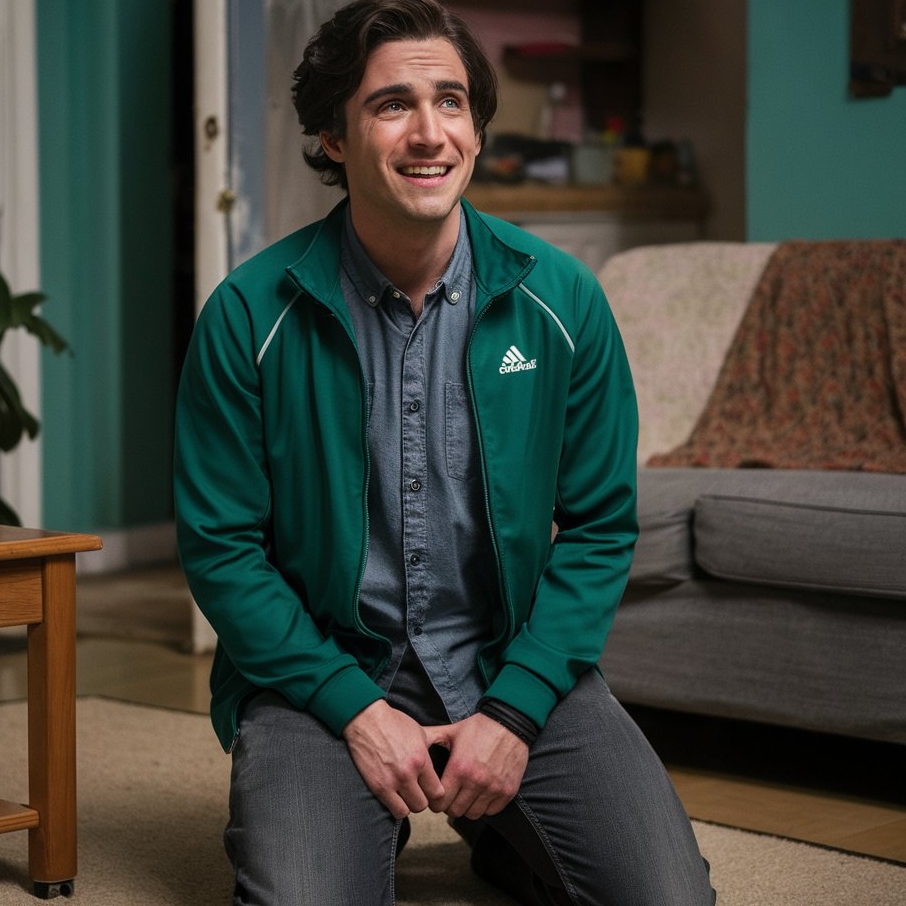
{"x": 459, "y": 432}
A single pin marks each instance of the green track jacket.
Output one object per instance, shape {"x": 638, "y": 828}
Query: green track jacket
{"x": 272, "y": 470}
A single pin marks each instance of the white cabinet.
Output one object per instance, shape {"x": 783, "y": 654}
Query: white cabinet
{"x": 593, "y": 238}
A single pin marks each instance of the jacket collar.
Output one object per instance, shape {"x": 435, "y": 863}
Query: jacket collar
{"x": 499, "y": 267}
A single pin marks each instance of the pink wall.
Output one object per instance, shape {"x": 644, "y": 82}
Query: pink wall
{"x": 498, "y": 28}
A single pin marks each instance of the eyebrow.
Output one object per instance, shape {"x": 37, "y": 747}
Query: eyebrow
{"x": 406, "y": 88}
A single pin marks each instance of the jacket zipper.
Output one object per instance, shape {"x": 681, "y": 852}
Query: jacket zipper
{"x": 510, "y": 617}
{"x": 366, "y": 521}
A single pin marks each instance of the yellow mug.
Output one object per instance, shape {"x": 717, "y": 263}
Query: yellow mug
{"x": 631, "y": 166}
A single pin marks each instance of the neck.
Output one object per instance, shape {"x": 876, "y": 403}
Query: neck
{"x": 412, "y": 259}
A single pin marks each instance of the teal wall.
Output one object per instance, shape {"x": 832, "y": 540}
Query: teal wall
{"x": 106, "y": 260}
{"x": 819, "y": 164}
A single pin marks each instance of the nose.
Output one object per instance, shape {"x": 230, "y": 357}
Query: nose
{"x": 427, "y": 130}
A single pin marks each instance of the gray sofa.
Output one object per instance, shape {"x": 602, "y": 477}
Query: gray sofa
{"x": 769, "y": 595}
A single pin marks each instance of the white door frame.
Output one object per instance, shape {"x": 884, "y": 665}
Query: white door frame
{"x": 212, "y": 170}
{"x": 212, "y": 164}
{"x": 20, "y": 475}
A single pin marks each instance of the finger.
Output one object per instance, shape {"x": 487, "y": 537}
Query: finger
{"x": 438, "y": 736}
{"x": 488, "y": 805}
{"x": 469, "y": 804}
{"x": 430, "y": 786}
{"x": 460, "y": 793}
{"x": 398, "y": 795}
{"x": 419, "y": 790}
{"x": 497, "y": 805}
{"x": 414, "y": 799}
{"x": 474, "y": 799}
{"x": 452, "y": 790}
{"x": 394, "y": 804}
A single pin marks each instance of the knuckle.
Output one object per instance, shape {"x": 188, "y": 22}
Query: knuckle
{"x": 414, "y": 764}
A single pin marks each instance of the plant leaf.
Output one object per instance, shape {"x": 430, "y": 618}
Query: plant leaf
{"x": 24, "y": 304}
{"x": 8, "y": 514}
{"x": 6, "y": 305}
{"x": 23, "y": 315}
{"x": 15, "y": 419}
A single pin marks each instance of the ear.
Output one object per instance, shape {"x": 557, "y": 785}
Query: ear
{"x": 332, "y": 146}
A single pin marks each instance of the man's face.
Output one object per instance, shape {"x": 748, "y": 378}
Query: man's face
{"x": 410, "y": 143}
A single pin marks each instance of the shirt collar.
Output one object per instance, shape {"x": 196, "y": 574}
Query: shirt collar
{"x": 373, "y": 286}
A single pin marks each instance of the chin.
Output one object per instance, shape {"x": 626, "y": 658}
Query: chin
{"x": 435, "y": 210}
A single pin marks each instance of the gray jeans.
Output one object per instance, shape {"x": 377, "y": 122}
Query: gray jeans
{"x": 596, "y": 821}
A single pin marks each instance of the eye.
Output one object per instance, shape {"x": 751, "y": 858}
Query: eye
{"x": 451, "y": 103}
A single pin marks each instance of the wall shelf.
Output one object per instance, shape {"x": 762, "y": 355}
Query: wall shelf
{"x": 538, "y": 63}
{"x": 530, "y": 201}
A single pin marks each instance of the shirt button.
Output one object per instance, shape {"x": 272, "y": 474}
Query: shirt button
{"x": 414, "y": 406}
{"x": 415, "y": 484}
{"x": 372, "y": 300}
{"x": 455, "y": 296}
{"x": 415, "y": 559}
{"x": 417, "y": 630}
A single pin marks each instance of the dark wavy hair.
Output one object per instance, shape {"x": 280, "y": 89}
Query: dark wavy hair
{"x": 334, "y": 63}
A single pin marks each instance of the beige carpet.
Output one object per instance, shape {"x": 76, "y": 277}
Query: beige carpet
{"x": 152, "y": 799}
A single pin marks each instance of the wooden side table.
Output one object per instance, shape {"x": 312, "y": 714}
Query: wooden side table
{"x": 37, "y": 589}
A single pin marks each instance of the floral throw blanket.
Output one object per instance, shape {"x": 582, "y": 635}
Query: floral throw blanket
{"x": 815, "y": 377}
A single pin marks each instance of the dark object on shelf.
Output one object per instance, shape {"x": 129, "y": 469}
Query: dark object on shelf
{"x": 664, "y": 165}
{"x": 509, "y": 158}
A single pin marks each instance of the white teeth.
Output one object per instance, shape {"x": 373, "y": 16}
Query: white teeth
{"x": 424, "y": 171}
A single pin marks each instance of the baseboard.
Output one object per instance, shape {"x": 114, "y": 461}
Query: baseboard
{"x": 132, "y": 548}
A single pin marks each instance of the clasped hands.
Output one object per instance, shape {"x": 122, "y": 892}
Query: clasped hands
{"x": 390, "y": 750}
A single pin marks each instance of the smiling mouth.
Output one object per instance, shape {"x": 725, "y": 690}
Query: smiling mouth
{"x": 425, "y": 171}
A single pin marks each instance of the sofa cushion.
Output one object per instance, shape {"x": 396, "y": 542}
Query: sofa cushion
{"x": 667, "y": 505}
{"x": 831, "y": 543}
{"x": 663, "y": 554}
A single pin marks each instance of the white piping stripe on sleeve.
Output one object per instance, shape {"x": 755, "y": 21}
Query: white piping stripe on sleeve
{"x": 275, "y": 328}
{"x": 557, "y": 321}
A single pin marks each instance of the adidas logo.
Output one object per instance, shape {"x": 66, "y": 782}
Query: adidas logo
{"x": 514, "y": 360}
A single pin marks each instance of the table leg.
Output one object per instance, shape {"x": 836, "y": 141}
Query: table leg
{"x": 52, "y": 855}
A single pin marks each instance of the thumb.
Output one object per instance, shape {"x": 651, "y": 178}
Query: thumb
{"x": 439, "y": 736}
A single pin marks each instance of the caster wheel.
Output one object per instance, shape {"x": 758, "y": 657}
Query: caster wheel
{"x": 49, "y": 890}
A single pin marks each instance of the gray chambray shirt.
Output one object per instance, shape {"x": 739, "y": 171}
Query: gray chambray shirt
{"x": 430, "y": 581}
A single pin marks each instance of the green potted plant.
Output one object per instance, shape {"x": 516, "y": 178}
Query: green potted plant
{"x": 15, "y": 420}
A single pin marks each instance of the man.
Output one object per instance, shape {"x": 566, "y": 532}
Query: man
{"x": 378, "y": 418}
